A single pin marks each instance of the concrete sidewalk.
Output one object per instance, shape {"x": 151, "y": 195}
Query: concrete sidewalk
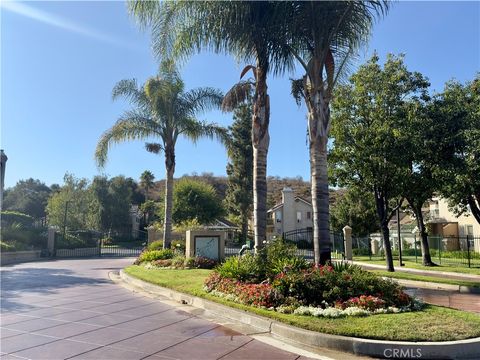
{"x": 440, "y": 274}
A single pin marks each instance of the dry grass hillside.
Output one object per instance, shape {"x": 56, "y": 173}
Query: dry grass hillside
{"x": 275, "y": 184}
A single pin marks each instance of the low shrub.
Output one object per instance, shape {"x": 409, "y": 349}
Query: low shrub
{"x": 152, "y": 255}
{"x": 189, "y": 263}
{"x": 204, "y": 263}
{"x": 260, "y": 295}
{"x": 107, "y": 240}
{"x": 155, "y": 245}
{"x": 178, "y": 246}
{"x": 6, "y": 247}
{"x": 317, "y": 285}
{"x": 163, "y": 263}
{"x": 246, "y": 268}
{"x": 178, "y": 262}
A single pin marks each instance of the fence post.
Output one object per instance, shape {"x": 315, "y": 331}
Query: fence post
{"x": 415, "y": 246}
{"x": 99, "y": 244}
{"x": 468, "y": 250}
{"x": 51, "y": 242}
{"x": 347, "y": 241}
{"x": 439, "y": 245}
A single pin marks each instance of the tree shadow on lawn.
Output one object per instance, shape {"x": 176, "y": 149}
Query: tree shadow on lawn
{"x": 17, "y": 283}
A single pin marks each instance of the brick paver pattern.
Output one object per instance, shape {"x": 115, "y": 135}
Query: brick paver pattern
{"x": 69, "y": 309}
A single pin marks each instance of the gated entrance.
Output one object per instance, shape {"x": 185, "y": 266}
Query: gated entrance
{"x": 95, "y": 244}
{"x": 303, "y": 239}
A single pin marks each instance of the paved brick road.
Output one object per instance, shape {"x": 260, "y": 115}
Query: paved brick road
{"x": 70, "y": 309}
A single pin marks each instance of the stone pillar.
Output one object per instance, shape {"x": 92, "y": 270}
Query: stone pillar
{"x": 205, "y": 243}
{"x": 374, "y": 247}
{"x": 51, "y": 241}
{"x": 347, "y": 237}
{"x": 152, "y": 234}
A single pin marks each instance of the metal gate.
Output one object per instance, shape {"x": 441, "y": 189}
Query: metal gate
{"x": 95, "y": 244}
{"x": 124, "y": 247}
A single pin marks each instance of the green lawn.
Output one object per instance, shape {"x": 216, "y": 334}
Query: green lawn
{"x": 434, "y": 279}
{"x": 413, "y": 265}
{"x": 433, "y": 324}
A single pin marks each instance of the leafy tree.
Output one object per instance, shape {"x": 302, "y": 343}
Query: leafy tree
{"x": 459, "y": 107}
{"x": 355, "y": 208}
{"x": 146, "y": 182}
{"x": 371, "y": 148}
{"x": 250, "y": 30}
{"x": 239, "y": 195}
{"x": 137, "y": 195}
{"x": 148, "y": 208}
{"x": 323, "y": 37}
{"x": 195, "y": 200}
{"x": 114, "y": 201}
{"x": 162, "y": 109}
{"x": 423, "y": 153}
{"x": 73, "y": 206}
{"x": 27, "y": 196}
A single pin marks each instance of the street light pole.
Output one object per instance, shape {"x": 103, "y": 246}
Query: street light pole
{"x": 3, "y": 163}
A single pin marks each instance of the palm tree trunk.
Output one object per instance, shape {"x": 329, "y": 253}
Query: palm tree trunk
{"x": 170, "y": 170}
{"x": 318, "y": 128}
{"x": 320, "y": 201}
{"x": 260, "y": 142}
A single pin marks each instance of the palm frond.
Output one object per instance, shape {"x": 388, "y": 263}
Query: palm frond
{"x": 297, "y": 90}
{"x": 240, "y": 93}
{"x": 154, "y": 148}
{"x": 144, "y": 12}
{"x": 194, "y": 130}
{"x": 200, "y": 100}
{"x": 129, "y": 90}
{"x": 131, "y": 126}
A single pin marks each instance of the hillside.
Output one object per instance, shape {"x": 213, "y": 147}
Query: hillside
{"x": 275, "y": 184}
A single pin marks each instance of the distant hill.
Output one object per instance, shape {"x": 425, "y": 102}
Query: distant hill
{"x": 275, "y": 184}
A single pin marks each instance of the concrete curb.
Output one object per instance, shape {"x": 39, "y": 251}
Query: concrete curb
{"x": 418, "y": 271}
{"x": 462, "y": 349}
{"x": 436, "y": 286}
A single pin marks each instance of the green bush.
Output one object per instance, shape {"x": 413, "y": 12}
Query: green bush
{"x": 178, "y": 262}
{"x": 6, "y": 247}
{"x": 179, "y": 246}
{"x": 327, "y": 284}
{"x": 152, "y": 255}
{"x": 156, "y": 245}
{"x": 246, "y": 268}
{"x": 15, "y": 217}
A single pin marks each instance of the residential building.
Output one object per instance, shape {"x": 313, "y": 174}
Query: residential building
{"x": 445, "y": 223}
{"x": 292, "y": 213}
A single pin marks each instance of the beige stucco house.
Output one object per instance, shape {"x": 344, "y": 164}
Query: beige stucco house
{"x": 292, "y": 213}
{"x": 445, "y": 223}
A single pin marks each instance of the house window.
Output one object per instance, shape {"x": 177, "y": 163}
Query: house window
{"x": 470, "y": 230}
{"x": 309, "y": 215}
{"x": 278, "y": 216}
{"x": 299, "y": 216}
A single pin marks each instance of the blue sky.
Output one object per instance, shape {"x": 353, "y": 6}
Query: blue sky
{"x": 60, "y": 60}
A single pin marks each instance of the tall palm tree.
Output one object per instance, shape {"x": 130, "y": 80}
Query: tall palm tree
{"x": 251, "y": 31}
{"x": 164, "y": 111}
{"x": 146, "y": 181}
{"x": 323, "y": 36}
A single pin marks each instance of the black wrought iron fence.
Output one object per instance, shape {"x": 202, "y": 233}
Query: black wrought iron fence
{"x": 454, "y": 251}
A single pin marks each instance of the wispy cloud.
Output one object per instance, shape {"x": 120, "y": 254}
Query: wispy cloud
{"x": 23, "y": 9}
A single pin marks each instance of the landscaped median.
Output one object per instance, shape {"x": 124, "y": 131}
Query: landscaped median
{"x": 435, "y": 332}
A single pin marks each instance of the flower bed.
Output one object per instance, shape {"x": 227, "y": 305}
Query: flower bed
{"x": 300, "y": 288}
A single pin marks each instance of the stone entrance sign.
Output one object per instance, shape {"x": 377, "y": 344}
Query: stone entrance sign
{"x": 207, "y": 246}
{"x": 210, "y": 244}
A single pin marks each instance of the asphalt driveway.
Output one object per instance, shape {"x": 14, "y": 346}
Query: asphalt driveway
{"x": 69, "y": 309}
